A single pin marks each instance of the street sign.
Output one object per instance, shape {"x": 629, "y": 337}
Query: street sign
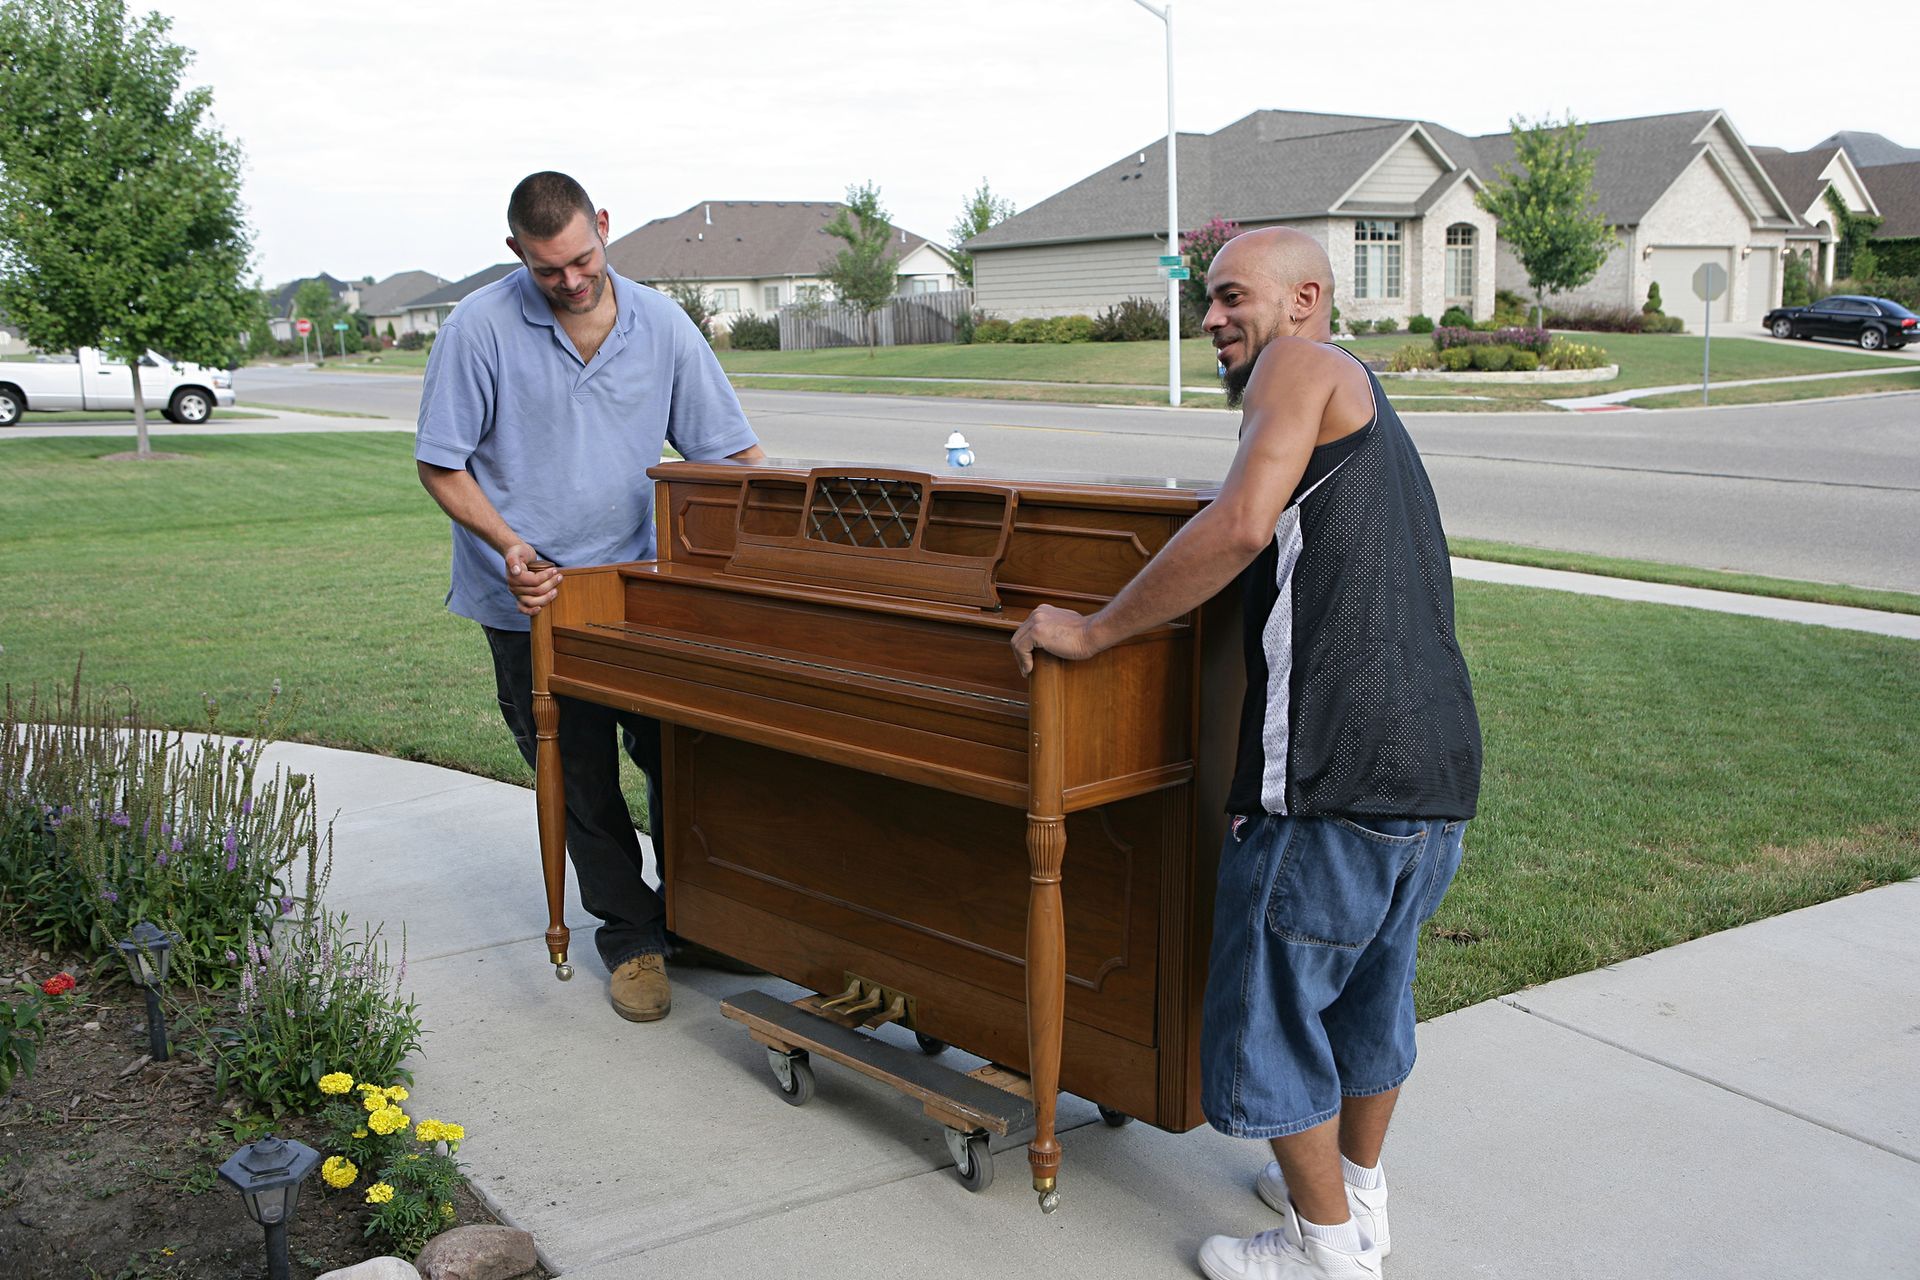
{"x": 303, "y": 327}
{"x": 1709, "y": 282}
{"x": 1173, "y": 259}
{"x": 340, "y": 326}
{"x": 1175, "y": 273}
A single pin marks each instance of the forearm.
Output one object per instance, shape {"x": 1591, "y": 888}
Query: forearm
{"x": 460, "y": 497}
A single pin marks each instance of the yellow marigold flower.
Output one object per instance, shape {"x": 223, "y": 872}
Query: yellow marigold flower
{"x": 370, "y": 1088}
{"x": 396, "y": 1093}
{"x": 379, "y": 1193}
{"x": 387, "y": 1120}
{"x": 374, "y": 1101}
{"x": 359, "y": 1133}
{"x": 453, "y": 1133}
{"x": 336, "y": 1082}
{"x": 446, "y": 1210}
{"x": 339, "y": 1171}
{"x": 427, "y": 1131}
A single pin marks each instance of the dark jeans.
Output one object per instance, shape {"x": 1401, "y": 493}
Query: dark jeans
{"x": 600, "y": 836}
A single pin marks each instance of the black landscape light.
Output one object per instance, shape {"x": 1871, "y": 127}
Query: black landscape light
{"x": 146, "y": 953}
{"x": 268, "y": 1174}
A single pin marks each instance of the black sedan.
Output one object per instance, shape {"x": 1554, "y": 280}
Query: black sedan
{"x": 1872, "y": 322}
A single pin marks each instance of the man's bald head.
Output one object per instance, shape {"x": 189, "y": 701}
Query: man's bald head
{"x": 1266, "y": 284}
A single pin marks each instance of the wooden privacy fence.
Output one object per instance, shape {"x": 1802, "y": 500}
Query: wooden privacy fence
{"x": 906, "y": 321}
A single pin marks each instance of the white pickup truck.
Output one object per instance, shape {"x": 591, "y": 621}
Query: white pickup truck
{"x": 85, "y": 379}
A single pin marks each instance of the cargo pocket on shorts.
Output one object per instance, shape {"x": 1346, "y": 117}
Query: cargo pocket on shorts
{"x": 1336, "y": 885}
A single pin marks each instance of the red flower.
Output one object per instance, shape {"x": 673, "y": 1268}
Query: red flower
{"x": 59, "y": 984}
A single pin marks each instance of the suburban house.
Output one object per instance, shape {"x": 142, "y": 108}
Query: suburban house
{"x": 1870, "y": 150}
{"x": 384, "y": 304}
{"x": 428, "y": 312}
{"x": 1680, "y": 191}
{"x": 1392, "y": 202}
{"x": 1804, "y": 178}
{"x": 756, "y": 256}
{"x": 280, "y": 305}
{"x": 1896, "y": 189}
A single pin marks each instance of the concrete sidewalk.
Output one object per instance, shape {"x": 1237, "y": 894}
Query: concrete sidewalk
{"x": 1746, "y": 1105}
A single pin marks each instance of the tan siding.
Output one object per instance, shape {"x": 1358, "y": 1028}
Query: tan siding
{"x": 1061, "y": 279}
{"x": 1402, "y": 177}
{"x": 1723, "y": 144}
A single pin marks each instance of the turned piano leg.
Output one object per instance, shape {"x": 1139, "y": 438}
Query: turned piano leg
{"x": 1046, "y": 925}
{"x": 550, "y": 796}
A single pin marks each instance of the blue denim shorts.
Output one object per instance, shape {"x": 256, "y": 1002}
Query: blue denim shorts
{"x": 1310, "y": 986}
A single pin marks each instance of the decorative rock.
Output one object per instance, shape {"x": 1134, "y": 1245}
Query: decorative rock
{"x": 477, "y": 1253}
{"x": 374, "y": 1269}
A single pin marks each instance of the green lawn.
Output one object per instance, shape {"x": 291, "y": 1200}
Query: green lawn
{"x": 1652, "y": 773}
{"x": 1909, "y": 380}
{"x": 122, "y": 417}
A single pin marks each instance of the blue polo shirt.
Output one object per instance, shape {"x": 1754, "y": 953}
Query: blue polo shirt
{"x": 560, "y": 446}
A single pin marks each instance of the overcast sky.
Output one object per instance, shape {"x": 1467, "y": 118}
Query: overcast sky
{"x": 384, "y": 137}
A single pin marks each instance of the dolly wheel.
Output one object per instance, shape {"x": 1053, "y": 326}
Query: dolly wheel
{"x": 972, "y": 1159}
{"x": 793, "y": 1073}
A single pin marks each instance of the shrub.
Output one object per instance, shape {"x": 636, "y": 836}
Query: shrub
{"x": 1386, "y": 324}
{"x": 105, "y": 821}
{"x": 1456, "y": 359}
{"x": 409, "y": 1168}
{"x": 1652, "y": 304}
{"x": 22, "y": 1031}
{"x": 1664, "y": 324}
{"x": 1132, "y": 320}
{"x": 964, "y": 326}
{"x": 695, "y": 301}
{"x": 1572, "y": 355}
{"x": 412, "y": 340}
{"x": 1523, "y": 361}
{"x": 1452, "y": 318}
{"x": 314, "y": 1000}
{"x": 1534, "y": 340}
{"x": 992, "y": 329}
{"x": 756, "y": 333}
{"x": 1357, "y": 327}
{"x": 1794, "y": 291}
{"x": 1492, "y": 359}
{"x": 1594, "y": 317}
{"x": 1032, "y": 329}
{"x": 1510, "y": 309}
{"x": 1072, "y": 329}
{"x": 1421, "y": 324}
{"x": 1415, "y": 355}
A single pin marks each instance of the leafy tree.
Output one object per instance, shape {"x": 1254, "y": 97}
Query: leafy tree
{"x": 695, "y": 301}
{"x": 314, "y": 301}
{"x": 862, "y": 274}
{"x": 1200, "y": 247}
{"x": 1795, "y": 286}
{"x": 120, "y": 218}
{"x": 1545, "y": 206}
{"x": 1853, "y": 258}
{"x": 982, "y": 211}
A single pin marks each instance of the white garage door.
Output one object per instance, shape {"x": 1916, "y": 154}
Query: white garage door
{"x": 1760, "y": 268}
{"x": 1673, "y": 270}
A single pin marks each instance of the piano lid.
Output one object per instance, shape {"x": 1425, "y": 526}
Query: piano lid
{"x": 1194, "y": 491}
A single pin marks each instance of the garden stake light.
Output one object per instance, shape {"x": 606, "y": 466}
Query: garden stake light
{"x": 268, "y": 1174}
{"x": 146, "y": 952}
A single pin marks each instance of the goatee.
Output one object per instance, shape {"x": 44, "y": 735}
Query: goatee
{"x": 1235, "y": 380}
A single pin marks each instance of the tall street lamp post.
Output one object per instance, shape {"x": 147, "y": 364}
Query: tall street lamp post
{"x": 1165, "y": 14}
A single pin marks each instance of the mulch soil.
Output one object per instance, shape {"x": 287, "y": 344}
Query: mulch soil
{"x": 107, "y": 1160}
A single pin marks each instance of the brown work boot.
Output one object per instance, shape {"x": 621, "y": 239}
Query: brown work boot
{"x": 639, "y": 989}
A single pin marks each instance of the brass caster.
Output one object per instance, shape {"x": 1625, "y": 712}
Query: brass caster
{"x": 1049, "y": 1200}
{"x": 564, "y": 972}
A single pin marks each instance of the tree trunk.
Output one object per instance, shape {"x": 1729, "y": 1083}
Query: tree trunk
{"x": 139, "y": 411}
{"x": 1540, "y": 308}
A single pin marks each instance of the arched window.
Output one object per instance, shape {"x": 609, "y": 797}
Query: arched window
{"x": 1460, "y": 237}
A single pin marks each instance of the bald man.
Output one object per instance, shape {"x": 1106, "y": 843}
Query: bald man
{"x": 1359, "y": 757}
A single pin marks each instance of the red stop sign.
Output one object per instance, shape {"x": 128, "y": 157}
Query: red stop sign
{"x": 303, "y": 327}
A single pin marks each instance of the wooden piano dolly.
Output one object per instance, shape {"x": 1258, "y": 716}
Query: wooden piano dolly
{"x": 864, "y": 796}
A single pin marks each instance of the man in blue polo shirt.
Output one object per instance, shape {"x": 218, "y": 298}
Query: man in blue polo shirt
{"x": 548, "y": 395}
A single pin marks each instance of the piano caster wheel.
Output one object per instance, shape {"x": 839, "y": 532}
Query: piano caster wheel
{"x": 1049, "y": 1200}
{"x": 793, "y": 1073}
{"x": 1115, "y": 1119}
{"x": 972, "y": 1159}
{"x": 929, "y": 1046}
{"x": 564, "y": 972}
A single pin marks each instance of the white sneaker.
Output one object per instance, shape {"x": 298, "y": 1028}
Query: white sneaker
{"x": 1281, "y": 1254}
{"x": 1369, "y": 1208}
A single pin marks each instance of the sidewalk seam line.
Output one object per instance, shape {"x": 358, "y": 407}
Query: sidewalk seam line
{"x": 1721, "y": 1085}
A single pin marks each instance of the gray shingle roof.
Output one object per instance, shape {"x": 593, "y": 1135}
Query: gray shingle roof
{"x": 1264, "y": 167}
{"x": 1870, "y": 150}
{"x": 746, "y": 240}
{"x": 281, "y": 303}
{"x": 396, "y": 291}
{"x": 1896, "y": 192}
{"x": 461, "y": 288}
{"x": 1797, "y": 173}
{"x": 1636, "y": 160}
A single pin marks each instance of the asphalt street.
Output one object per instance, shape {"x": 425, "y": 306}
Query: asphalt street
{"x": 1827, "y": 491}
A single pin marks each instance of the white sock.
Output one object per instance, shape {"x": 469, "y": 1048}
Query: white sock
{"x": 1344, "y": 1236}
{"x": 1360, "y": 1176}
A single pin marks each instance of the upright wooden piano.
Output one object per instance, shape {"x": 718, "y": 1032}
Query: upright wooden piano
{"x": 862, "y": 792}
